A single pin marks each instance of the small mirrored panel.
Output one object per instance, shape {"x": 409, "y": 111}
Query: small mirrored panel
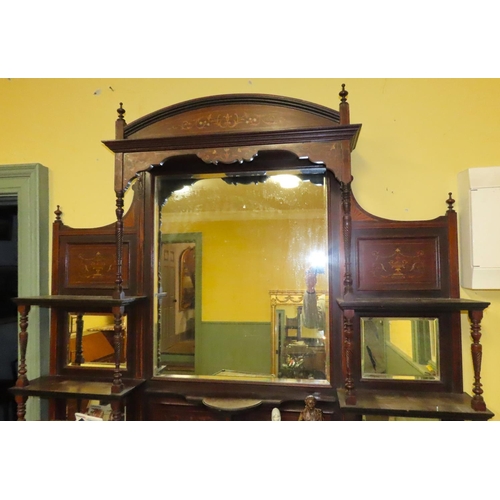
{"x": 400, "y": 348}
{"x": 91, "y": 340}
{"x": 224, "y": 243}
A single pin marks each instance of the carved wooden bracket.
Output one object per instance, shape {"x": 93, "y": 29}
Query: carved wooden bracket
{"x": 228, "y": 155}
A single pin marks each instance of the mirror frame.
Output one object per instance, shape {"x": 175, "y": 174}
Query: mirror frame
{"x": 184, "y": 166}
{"x": 228, "y": 132}
{"x": 446, "y": 348}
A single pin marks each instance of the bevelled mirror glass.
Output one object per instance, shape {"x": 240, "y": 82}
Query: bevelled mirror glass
{"x": 91, "y": 340}
{"x": 400, "y": 348}
{"x": 226, "y": 243}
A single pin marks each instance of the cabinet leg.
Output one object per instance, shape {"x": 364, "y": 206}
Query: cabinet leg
{"x": 477, "y": 403}
{"x": 117, "y": 410}
{"x": 21, "y": 408}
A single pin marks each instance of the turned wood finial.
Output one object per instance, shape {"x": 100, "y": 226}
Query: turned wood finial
{"x": 343, "y": 94}
{"x": 58, "y": 214}
{"x": 120, "y": 123}
{"x": 121, "y": 112}
{"x": 344, "y": 107}
{"x": 450, "y": 201}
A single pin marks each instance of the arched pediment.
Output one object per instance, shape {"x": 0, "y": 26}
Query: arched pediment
{"x": 235, "y": 127}
{"x": 221, "y": 114}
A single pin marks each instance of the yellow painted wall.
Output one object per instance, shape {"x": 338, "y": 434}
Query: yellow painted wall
{"x": 417, "y": 135}
{"x": 243, "y": 260}
{"x": 400, "y": 336}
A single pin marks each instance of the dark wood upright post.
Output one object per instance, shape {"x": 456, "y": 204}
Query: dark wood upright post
{"x": 22, "y": 378}
{"x": 116, "y": 410}
{"x": 348, "y": 356}
{"x": 348, "y": 315}
{"x": 120, "y": 192}
{"x": 453, "y": 247}
{"x": 475, "y": 317}
{"x": 79, "y": 359}
{"x": 346, "y": 229}
{"x": 118, "y": 311}
{"x": 118, "y": 293}
{"x": 117, "y": 342}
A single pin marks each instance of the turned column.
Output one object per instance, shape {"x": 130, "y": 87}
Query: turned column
{"x": 118, "y": 312}
{"x": 22, "y": 379}
{"x": 116, "y": 410}
{"x": 348, "y": 355}
{"x": 346, "y": 230}
{"x": 477, "y": 402}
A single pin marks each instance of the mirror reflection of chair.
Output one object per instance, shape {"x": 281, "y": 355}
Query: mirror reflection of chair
{"x": 293, "y": 326}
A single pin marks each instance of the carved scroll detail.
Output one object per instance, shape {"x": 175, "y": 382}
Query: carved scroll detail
{"x": 228, "y": 155}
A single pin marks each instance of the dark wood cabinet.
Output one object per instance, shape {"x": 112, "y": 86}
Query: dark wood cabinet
{"x": 210, "y": 239}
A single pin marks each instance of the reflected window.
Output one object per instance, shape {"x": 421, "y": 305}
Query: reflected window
{"x": 300, "y": 348}
{"x": 91, "y": 340}
{"x": 225, "y": 242}
{"x": 400, "y": 348}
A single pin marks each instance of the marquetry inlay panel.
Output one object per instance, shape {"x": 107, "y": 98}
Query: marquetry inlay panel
{"x": 232, "y": 118}
{"x": 93, "y": 265}
{"x": 394, "y": 263}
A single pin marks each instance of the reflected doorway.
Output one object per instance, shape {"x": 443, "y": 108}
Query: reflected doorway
{"x": 179, "y": 307}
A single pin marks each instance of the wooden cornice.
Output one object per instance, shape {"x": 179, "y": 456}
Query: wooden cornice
{"x": 331, "y": 134}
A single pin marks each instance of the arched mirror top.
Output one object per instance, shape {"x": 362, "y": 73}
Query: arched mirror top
{"x": 234, "y": 128}
{"x": 222, "y": 114}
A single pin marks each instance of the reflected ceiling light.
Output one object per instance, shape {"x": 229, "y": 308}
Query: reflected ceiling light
{"x": 286, "y": 181}
{"x": 183, "y": 190}
{"x": 317, "y": 261}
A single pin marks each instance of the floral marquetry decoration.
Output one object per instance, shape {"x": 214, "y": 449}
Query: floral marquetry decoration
{"x": 394, "y": 264}
{"x": 95, "y": 264}
{"x": 229, "y": 121}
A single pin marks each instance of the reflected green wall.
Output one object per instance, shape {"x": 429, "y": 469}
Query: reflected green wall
{"x": 233, "y": 346}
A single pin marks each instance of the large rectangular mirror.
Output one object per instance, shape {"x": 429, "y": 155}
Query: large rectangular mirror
{"x": 400, "y": 348}
{"x": 225, "y": 242}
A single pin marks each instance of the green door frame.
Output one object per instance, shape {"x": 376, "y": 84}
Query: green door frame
{"x": 29, "y": 183}
{"x": 197, "y": 239}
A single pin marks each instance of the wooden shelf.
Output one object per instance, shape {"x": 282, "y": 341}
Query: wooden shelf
{"x": 80, "y": 302}
{"x": 64, "y": 387}
{"x": 445, "y": 406}
{"x": 411, "y": 304}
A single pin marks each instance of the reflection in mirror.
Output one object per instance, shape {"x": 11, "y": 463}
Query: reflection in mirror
{"x": 91, "y": 340}
{"x": 400, "y": 348}
{"x": 299, "y": 349}
{"x": 224, "y": 243}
